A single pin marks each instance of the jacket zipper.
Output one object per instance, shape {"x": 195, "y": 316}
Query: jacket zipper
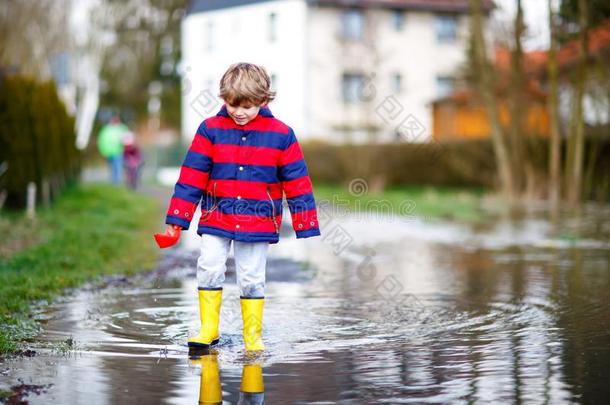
{"x": 208, "y": 212}
{"x": 273, "y": 211}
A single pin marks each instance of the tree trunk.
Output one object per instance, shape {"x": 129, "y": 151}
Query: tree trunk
{"x": 575, "y": 172}
{"x": 486, "y": 86}
{"x": 553, "y": 108}
{"x": 589, "y": 172}
{"x": 519, "y": 158}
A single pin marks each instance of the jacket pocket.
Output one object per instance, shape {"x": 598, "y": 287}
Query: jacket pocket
{"x": 205, "y": 215}
{"x": 277, "y": 230}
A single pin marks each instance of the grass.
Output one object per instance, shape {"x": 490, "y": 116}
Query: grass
{"x": 90, "y": 231}
{"x": 415, "y": 201}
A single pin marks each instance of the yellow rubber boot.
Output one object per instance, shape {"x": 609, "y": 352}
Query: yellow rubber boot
{"x": 252, "y": 315}
{"x": 210, "y": 389}
{"x": 209, "y": 313}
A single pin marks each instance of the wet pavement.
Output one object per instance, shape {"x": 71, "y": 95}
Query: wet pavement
{"x": 380, "y": 309}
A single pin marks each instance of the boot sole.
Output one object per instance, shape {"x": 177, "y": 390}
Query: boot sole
{"x": 203, "y": 345}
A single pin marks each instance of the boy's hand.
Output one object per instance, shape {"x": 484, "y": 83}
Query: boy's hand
{"x": 169, "y": 237}
{"x": 171, "y": 230}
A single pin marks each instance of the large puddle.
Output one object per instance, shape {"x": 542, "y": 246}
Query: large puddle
{"x": 378, "y": 310}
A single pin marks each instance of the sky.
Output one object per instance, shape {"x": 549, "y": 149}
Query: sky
{"x": 536, "y": 20}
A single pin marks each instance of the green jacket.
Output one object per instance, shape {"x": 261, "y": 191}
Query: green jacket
{"x": 110, "y": 140}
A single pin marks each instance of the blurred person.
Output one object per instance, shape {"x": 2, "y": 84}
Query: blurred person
{"x": 110, "y": 145}
{"x": 132, "y": 160}
{"x": 240, "y": 163}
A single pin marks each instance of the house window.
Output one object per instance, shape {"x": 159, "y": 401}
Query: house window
{"x": 210, "y": 36}
{"x": 444, "y": 85}
{"x": 352, "y": 85}
{"x": 353, "y": 24}
{"x": 398, "y": 19}
{"x": 446, "y": 28}
{"x": 397, "y": 82}
{"x": 272, "y": 27}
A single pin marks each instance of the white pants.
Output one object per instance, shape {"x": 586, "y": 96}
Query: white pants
{"x": 250, "y": 264}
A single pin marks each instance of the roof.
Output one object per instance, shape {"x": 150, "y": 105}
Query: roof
{"x": 198, "y": 6}
{"x": 449, "y": 6}
{"x": 535, "y": 62}
{"x": 466, "y": 96}
{"x": 599, "y": 40}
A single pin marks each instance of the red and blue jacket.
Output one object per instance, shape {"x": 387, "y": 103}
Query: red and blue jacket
{"x": 240, "y": 174}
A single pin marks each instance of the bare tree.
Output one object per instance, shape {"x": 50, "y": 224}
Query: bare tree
{"x": 31, "y": 32}
{"x": 486, "y": 85}
{"x": 553, "y": 108}
{"x": 574, "y": 169}
{"x": 520, "y": 164}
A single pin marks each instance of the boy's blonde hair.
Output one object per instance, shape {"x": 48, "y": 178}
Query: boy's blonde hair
{"x": 246, "y": 83}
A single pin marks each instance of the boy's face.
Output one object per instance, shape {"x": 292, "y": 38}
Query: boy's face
{"x": 244, "y": 113}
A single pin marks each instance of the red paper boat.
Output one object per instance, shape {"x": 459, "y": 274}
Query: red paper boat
{"x": 166, "y": 239}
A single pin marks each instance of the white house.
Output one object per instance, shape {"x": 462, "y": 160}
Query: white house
{"x": 343, "y": 69}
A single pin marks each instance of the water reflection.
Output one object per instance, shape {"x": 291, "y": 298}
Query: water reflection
{"x": 450, "y": 313}
{"x": 251, "y": 388}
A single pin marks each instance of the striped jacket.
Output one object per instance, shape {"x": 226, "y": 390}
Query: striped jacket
{"x": 240, "y": 173}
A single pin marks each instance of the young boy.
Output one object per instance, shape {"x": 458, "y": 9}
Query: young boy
{"x": 241, "y": 162}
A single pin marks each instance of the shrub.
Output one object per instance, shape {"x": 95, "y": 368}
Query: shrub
{"x": 464, "y": 163}
{"x": 37, "y": 140}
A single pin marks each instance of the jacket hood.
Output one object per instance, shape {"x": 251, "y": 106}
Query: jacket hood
{"x": 264, "y": 111}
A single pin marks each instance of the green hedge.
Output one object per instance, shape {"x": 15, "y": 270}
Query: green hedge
{"x": 452, "y": 164}
{"x": 456, "y": 164}
{"x": 37, "y": 140}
